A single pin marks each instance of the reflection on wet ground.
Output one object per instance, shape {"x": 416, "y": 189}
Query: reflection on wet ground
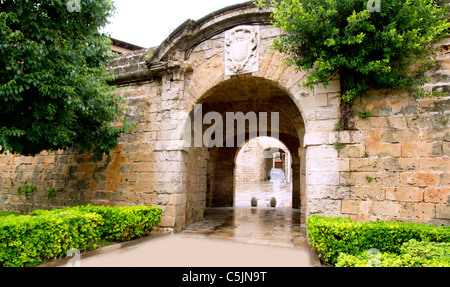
{"x": 263, "y": 192}
{"x": 262, "y": 225}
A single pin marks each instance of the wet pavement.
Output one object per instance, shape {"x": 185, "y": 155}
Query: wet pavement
{"x": 263, "y": 192}
{"x": 181, "y": 251}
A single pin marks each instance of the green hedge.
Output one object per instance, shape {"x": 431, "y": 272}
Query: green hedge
{"x": 412, "y": 254}
{"x": 121, "y": 223}
{"x": 333, "y": 236}
{"x": 31, "y": 240}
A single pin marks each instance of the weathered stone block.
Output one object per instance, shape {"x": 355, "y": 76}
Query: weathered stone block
{"x": 371, "y": 136}
{"x": 434, "y": 164}
{"x": 332, "y": 87}
{"x": 446, "y": 148}
{"x": 323, "y": 178}
{"x": 334, "y": 99}
{"x": 424, "y": 211}
{"x": 345, "y": 137}
{"x": 144, "y": 167}
{"x": 379, "y": 179}
{"x": 143, "y": 186}
{"x": 400, "y": 136}
{"x": 372, "y": 193}
{"x": 424, "y": 121}
{"x": 405, "y": 194}
{"x": 327, "y": 113}
{"x": 322, "y": 125}
{"x": 317, "y": 138}
{"x": 435, "y": 105}
{"x": 325, "y": 207}
{"x": 167, "y": 221}
{"x": 436, "y": 134}
{"x": 421, "y": 149}
{"x": 384, "y": 150}
{"x": 323, "y": 192}
{"x": 382, "y": 164}
{"x": 445, "y": 178}
{"x": 443, "y": 211}
{"x": 322, "y": 164}
{"x": 384, "y": 208}
{"x": 324, "y": 151}
{"x": 419, "y": 179}
{"x": 362, "y": 124}
{"x": 343, "y": 164}
{"x": 352, "y": 151}
{"x": 392, "y": 122}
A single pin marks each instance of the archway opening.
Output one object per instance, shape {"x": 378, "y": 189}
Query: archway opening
{"x": 258, "y": 108}
{"x": 263, "y": 174}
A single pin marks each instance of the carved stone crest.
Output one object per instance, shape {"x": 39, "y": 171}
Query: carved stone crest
{"x": 241, "y": 50}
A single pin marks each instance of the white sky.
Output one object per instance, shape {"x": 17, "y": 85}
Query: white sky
{"x": 148, "y": 23}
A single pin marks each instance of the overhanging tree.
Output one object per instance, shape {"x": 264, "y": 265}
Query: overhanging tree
{"x": 53, "y": 89}
{"x": 391, "y": 49}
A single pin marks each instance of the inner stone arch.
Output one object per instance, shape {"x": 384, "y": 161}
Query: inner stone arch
{"x": 263, "y": 171}
{"x": 254, "y": 98}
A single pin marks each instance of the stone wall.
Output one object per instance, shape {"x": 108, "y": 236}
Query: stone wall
{"x": 394, "y": 165}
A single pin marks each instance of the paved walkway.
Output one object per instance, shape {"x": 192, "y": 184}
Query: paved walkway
{"x": 278, "y": 227}
{"x": 227, "y": 237}
{"x": 263, "y": 192}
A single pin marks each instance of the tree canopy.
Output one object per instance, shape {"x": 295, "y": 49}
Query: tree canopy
{"x": 391, "y": 48}
{"x": 53, "y": 77}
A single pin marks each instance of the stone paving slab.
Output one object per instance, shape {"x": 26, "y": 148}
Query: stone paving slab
{"x": 227, "y": 237}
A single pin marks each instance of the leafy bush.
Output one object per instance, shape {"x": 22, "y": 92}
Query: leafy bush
{"x": 25, "y": 189}
{"x": 333, "y": 236}
{"x": 29, "y": 240}
{"x": 413, "y": 254}
{"x": 120, "y": 223}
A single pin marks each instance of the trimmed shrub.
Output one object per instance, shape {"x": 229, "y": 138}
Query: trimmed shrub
{"x": 30, "y": 240}
{"x": 413, "y": 254}
{"x": 120, "y": 223}
{"x": 126, "y": 223}
{"x": 333, "y": 236}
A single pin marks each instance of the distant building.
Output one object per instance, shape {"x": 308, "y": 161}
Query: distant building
{"x": 121, "y": 47}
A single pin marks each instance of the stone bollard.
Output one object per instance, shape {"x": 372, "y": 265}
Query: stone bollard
{"x": 273, "y": 202}
{"x": 254, "y": 202}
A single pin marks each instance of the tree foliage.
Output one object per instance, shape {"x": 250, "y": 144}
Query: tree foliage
{"x": 53, "y": 89}
{"x": 370, "y": 50}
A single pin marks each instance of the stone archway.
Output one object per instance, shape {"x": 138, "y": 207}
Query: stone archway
{"x": 249, "y": 96}
{"x": 207, "y": 63}
{"x": 203, "y": 62}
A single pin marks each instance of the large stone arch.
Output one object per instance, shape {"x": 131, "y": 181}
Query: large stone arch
{"x": 194, "y": 59}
